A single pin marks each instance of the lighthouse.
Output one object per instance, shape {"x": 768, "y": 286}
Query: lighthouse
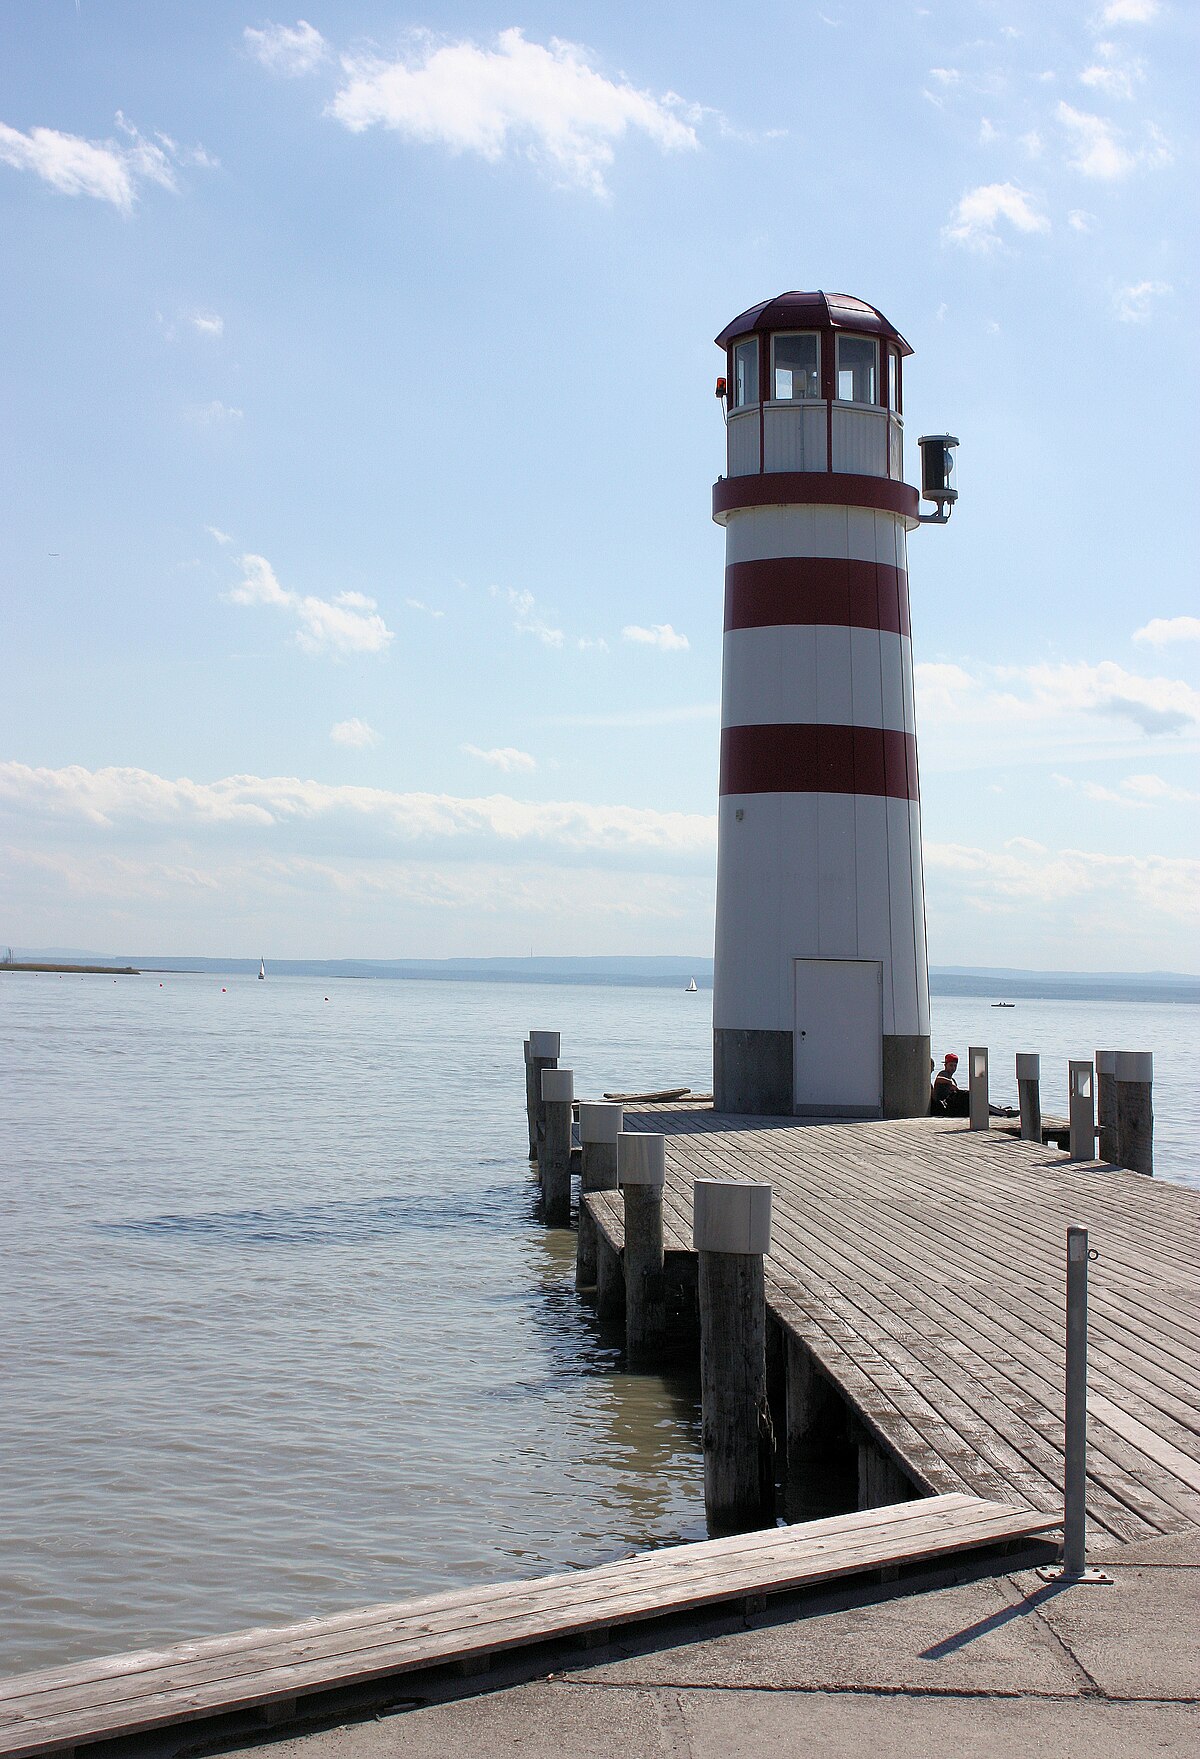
{"x": 821, "y": 987}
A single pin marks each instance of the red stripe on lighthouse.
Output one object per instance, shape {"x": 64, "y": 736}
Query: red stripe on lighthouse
{"x": 806, "y": 758}
{"x": 816, "y": 589}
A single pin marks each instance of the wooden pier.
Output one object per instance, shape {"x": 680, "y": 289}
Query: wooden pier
{"x": 918, "y": 1267}
{"x": 916, "y": 1271}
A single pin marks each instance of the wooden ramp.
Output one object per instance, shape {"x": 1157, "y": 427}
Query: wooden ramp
{"x": 921, "y": 1266}
{"x": 121, "y": 1695}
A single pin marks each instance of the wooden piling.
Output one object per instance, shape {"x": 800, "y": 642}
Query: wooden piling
{"x": 599, "y": 1126}
{"x": 641, "y": 1172}
{"x": 1029, "y": 1095}
{"x": 1106, "y": 1104}
{"x": 530, "y": 1104}
{"x": 554, "y": 1146}
{"x": 1135, "y": 1111}
{"x": 731, "y": 1233}
{"x": 880, "y": 1480}
{"x": 544, "y": 1050}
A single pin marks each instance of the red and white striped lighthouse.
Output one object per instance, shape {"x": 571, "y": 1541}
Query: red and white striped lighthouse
{"x": 821, "y": 1001}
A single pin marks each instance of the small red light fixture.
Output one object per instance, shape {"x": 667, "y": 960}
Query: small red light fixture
{"x": 722, "y": 388}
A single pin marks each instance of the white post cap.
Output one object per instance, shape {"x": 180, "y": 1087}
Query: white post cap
{"x": 600, "y": 1120}
{"x": 977, "y": 1059}
{"x": 1029, "y": 1066}
{"x": 641, "y": 1158}
{"x": 544, "y": 1044}
{"x": 1106, "y": 1062}
{"x": 1135, "y": 1066}
{"x": 731, "y": 1218}
{"x": 558, "y": 1084}
{"x": 1079, "y": 1076}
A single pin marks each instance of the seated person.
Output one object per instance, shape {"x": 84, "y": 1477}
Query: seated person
{"x": 949, "y": 1100}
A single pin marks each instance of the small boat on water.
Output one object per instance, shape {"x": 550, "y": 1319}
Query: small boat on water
{"x": 691, "y": 987}
{"x": 1004, "y": 1004}
{"x": 262, "y": 970}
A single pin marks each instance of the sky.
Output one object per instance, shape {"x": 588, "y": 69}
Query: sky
{"x": 360, "y": 592}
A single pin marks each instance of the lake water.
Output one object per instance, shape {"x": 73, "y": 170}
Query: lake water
{"x": 281, "y": 1332}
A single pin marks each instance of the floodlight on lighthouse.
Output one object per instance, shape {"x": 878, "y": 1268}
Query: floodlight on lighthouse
{"x": 937, "y": 475}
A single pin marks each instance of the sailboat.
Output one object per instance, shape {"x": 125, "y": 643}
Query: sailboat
{"x": 262, "y": 970}
{"x": 691, "y": 987}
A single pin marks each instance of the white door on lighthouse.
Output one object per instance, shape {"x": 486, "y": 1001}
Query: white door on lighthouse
{"x": 837, "y": 1045}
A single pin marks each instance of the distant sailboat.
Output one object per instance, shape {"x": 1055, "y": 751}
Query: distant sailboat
{"x": 691, "y": 987}
{"x": 262, "y": 969}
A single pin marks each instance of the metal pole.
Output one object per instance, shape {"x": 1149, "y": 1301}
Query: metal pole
{"x": 1075, "y": 1475}
{"x": 1074, "y": 1562}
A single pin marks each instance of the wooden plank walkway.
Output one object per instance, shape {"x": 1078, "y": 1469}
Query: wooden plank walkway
{"x": 121, "y": 1695}
{"x": 922, "y": 1265}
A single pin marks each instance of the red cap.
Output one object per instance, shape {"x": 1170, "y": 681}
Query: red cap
{"x": 951, "y": 1057}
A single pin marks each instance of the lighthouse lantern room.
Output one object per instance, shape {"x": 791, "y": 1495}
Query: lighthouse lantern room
{"x": 821, "y": 990}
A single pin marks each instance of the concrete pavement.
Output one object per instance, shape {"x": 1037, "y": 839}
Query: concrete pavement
{"x": 961, "y": 1663}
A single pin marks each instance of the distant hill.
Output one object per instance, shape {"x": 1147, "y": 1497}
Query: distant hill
{"x": 662, "y": 972}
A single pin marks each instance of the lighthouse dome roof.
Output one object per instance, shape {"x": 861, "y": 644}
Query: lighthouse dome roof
{"x": 813, "y": 311}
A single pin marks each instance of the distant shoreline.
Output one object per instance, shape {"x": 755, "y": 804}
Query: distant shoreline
{"x": 665, "y": 972}
{"x": 89, "y": 970}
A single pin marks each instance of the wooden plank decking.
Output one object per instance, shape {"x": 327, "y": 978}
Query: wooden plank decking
{"x": 120, "y": 1695}
{"x": 922, "y": 1266}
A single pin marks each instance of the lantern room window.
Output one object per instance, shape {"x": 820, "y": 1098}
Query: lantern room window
{"x": 745, "y": 373}
{"x": 797, "y": 365}
{"x": 857, "y": 369}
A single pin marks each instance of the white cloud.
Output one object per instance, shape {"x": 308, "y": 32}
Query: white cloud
{"x": 660, "y": 635}
{"x": 1111, "y": 74}
{"x": 1129, "y": 12}
{"x": 502, "y": 757}
{"x": 286, "y": 812}
{"x": 354, "y": 733}
{"x": 1161, "y": 630}
{"x": 528, "y": 620}
{"x": 1021, "y": 696}
{"x": 988, "y": 131}
{"x": 975, "y": 220}
{"x": 545, "y": 103}
{"x": 216, "y": 413}
{"x": 290, "y": 50}
{"x": 1102, "y": 894}
{"x": 218, "y": 536}
{"x": 592, "y": 644}
{"x": 1032, "y": 143}
{"x": 1133, "y": 304}
{"x": 107, "y": 170}
{"x": 1153, "y": 788}
{"x": 945, "y": 76}
{"x": 1098, "y": 149}
{"x": 209, "y": 323}
{"x": 1079, "y": 220}
{"x": 1134, "y": 792}
{"x": 349, "y": 623}
{"x": 420, "y": 605}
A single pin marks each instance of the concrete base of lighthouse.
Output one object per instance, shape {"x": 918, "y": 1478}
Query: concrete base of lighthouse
{"x": 752, "y": 1076}
{"x": 752, "y": 1072}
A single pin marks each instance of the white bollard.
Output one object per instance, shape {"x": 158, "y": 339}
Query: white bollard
{"x": 731, "y": 1231}
{"x": 1135, "y": 1111}
{"x": 1029, "y": 1092}
{"x": 977, "y": 1084}
{"x": 599, "y": 1126}
{"x": 642, "y": 1172}
{"x": 554, "y": 1148}
{"x": 1081, "y": 1110}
